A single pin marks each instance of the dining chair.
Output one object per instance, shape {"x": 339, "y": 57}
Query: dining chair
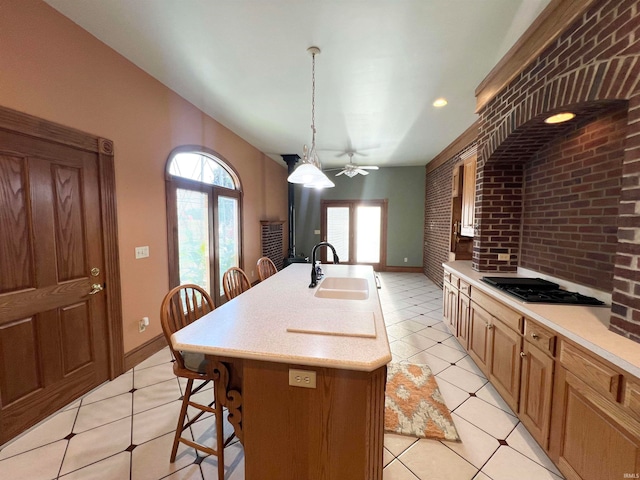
{"x": 181, "y": 306}
{"x": 266, "y": 268}
{"x": 235, "y": 282}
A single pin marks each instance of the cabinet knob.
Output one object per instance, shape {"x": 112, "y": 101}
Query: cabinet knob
{"x": 522, "y": 354}
{"x": 489, "y": 326}
{"x": 534, "y": 335}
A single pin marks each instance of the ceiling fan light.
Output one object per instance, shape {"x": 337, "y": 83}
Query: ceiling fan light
{"x": 350, "y": 173}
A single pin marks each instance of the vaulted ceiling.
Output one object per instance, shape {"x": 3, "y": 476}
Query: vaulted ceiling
{"x": 381, "y": 66}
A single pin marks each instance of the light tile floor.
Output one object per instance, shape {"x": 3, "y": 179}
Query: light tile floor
{"x": 124, "y": 428}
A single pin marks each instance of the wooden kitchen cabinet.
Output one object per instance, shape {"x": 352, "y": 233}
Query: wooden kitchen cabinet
{"x": 505, "y": 347}
{"x": 536, "y": 388}
{"x": 450, "y": 306}
{"x": 479, "y": 321}
{"x": 592, "y": 435}
{"x": 468, "y": 197}
{"x": 464, "y": 311}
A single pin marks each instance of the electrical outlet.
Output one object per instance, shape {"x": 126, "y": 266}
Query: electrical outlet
{"x": 142, "y": 252}
{"x": 302, "y": 378}
{"x": 503, "y": 256}
{"x": 405, "y": 259}
{"x": 142, "y": 324}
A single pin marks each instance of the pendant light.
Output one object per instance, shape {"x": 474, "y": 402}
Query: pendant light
{"x": 309, "y": 172}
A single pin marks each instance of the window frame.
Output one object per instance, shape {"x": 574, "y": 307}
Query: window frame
{"x": 172, "y": 184}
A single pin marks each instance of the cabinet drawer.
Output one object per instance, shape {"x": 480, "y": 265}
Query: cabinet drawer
{"x": 539, "y": 336}
{"x": 632, "y": 397}
{"x": 498, "y": 310}
{"x": 594, "y": 373}
{"x": 465, "y": 288}
{"x": 455, "y": 281}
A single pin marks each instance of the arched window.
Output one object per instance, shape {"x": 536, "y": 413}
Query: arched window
{"x": 203, "y": 218}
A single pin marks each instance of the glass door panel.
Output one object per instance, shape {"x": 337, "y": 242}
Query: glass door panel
{"x": 338, "y": 230}
{"x": 228, "y": 236}
{"x": 193, "y": 238}
{"x": 368, "y": 223}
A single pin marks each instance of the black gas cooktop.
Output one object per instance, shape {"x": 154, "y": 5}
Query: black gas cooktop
{"x": 537, "y": 290}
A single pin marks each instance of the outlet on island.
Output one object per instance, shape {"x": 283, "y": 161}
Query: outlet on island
{"x": 302, "y": 378}
{"x": 503, "y": 257}
{"x": 143, "y": 323}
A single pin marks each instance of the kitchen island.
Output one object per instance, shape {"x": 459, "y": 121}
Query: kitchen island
{"x": 272, "y": 343}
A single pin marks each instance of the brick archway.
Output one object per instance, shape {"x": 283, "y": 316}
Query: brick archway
{"x": 592, "y": 67}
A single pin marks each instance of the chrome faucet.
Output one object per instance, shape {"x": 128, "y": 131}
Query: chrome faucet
{"x": 314, "y": 277}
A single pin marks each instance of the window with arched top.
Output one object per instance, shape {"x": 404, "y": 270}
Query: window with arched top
{"x": 203, "y": 218}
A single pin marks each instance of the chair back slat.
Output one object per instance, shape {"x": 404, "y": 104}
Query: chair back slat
{"x": 235, "y": 282}
{"x": 181, "y": 306}
{"x": 266, "y": 268}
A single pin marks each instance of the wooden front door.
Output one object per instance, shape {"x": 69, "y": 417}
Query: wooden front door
{"x": 54, "y": 333}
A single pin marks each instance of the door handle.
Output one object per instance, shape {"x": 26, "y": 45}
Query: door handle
{"x": 96, "y": 287}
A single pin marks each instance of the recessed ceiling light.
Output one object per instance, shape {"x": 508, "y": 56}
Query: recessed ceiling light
{"x": 441, "y": 102}
{"x": 560, "y": 117}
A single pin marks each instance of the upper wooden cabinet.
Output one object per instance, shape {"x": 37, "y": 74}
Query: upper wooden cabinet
{"x": 463, "y": 193}
{"x": 468, "y": 196}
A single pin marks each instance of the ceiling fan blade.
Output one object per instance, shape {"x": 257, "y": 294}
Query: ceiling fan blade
{"x": 369, "y": 167}
{"x": 361, "y": 172}
{"x": 340, "y": 173}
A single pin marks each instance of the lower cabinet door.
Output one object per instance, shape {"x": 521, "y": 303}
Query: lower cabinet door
{"x": 505, "y": 347}
{"x": 479, "y": 321}
{"x": 450, "y": 307}
{"x": 591, "y": 438}
{"x": 464, "y": 306}
{"x": 536, "y": 387}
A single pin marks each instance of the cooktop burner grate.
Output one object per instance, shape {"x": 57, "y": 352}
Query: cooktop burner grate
{"x": 537, "y": 290}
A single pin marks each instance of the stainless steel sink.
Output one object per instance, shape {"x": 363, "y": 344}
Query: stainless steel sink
{"x": 345, "y": 288}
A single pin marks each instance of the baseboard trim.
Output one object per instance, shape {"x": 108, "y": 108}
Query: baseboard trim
{"x": 144, "y": 351}
{"x": 403, "y": 269}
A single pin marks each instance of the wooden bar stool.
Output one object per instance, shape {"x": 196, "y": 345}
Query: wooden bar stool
{"x": 181, "y": 306}
{"x": 235, "y": 282}
{"x": 266, "y": 268}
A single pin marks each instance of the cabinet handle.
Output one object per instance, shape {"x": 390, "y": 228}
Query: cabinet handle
{"x": 489, "y": 326}
{"x": 534, "y": 335}
{"x": 522, "y": 354}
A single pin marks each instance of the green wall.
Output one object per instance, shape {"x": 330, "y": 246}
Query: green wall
{"x": 404, "y": 189}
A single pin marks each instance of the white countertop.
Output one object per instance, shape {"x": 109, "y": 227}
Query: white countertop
{"x": 255, "y": 324}
{"x": 585, "y": 325}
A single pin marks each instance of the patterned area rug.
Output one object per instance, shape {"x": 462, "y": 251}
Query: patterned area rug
{"x": 414, "y": 405}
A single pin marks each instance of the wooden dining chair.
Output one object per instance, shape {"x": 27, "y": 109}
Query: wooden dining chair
{"x": 181, "y": 306}
{"x": 234, "y": 282}
{"x": 266, "y": 268}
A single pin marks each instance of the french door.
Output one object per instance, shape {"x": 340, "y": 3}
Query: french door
{"x": 357, "y": 229}
{"x": 206, "y": 240}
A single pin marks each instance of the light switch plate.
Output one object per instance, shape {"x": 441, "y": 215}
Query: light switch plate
{"x": 503, "y": 256}
{"x": 142, "y": 252}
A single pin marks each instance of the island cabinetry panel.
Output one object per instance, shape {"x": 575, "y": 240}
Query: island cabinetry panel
{"x": 478, "y": 349}
{"x": 593, "y": 436}
{"x": 331, "y": 432}
{"x": 536, "y": 384}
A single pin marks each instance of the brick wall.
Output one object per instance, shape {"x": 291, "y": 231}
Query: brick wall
{"x": 272, "y": 242}
{"x": 437, "y": 218}
{"x": 571, "y": 198}
{"x": 591, "y": 69}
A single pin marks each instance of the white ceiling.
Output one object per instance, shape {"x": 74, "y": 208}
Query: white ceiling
{"x": 383, "y": 63}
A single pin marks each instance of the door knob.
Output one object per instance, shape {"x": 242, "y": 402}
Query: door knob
{"x": 96, "y": 287}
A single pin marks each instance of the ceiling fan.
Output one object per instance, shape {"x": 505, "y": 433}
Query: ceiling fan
{"x": 351, "y": 169}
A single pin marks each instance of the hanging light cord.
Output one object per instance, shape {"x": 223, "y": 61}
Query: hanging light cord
{"x": 313, "y": 101}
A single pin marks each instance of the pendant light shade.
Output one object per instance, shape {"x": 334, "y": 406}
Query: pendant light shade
{"x": 309, "y": 172}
